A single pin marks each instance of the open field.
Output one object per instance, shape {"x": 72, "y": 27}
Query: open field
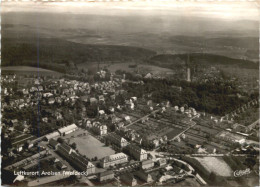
{"x": 24, "y": 68}
{"x": 28, "y": 70}
{"x": 142, "y": 68}
{"x": 91, "y": 147}
{"x": 217, "y": 165}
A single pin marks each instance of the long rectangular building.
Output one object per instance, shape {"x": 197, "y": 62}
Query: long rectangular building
{"x": 76, "y": 160}
{"x": 113, "y": 160}
{"x": 68, "y": 129}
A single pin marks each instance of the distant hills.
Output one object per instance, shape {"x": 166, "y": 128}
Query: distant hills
{"x": 223, "y": 41}
{"x": 54, "y": 54}
{"x": 179, "y": 60}
{"x": 17, "y": 51}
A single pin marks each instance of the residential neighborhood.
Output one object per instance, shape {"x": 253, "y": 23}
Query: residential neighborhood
{"x": 129, "y": 93}
{"x": 129, "y": 141}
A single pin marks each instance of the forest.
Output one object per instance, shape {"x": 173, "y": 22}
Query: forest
{"x": 217, "y": 97}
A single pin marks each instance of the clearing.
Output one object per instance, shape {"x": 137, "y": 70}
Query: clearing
{"x": 217, "y": 165}
{"x": 91, "y": 147}
{"x": 28, "y": 70}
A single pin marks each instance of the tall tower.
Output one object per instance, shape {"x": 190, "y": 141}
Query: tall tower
{"x": 188, "y": 68}
{"x": 188, "y": 74}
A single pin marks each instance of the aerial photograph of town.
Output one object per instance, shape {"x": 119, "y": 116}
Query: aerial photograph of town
{"x": 130, "y": 93}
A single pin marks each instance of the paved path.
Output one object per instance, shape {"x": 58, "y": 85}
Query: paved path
{"x": 22, "y": 140}
{"x": 251, "y": 126}
{"x": 144, "y": 117}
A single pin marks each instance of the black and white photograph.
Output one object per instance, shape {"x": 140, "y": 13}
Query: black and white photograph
{"x": 130, "y": 93}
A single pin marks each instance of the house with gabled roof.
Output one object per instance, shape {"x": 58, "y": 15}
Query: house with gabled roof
{"x": 116, "y": 139}
{"x": 141, "y": 174}
{"x": 129, "y": 179}
{"x": 137, "y": 152}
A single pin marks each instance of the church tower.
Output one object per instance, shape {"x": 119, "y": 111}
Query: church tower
{"x": 188, "y": 68}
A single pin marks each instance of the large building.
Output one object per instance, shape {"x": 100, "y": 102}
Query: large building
{"x": 147, "y": 164}
{"x": 129, "y": 179}
{"x": 76, "y": 160}
{"x": 106, "y": 175}
{"x": 54, "y": 144}
{"x": 81, "y": 163}
{"x": 68, "y": 129}
{"x": 116, "y": 140}
{"x": 136, "y": 152}
{"x": 141, "y": 174}
{"x": 113, "y": 160}
{"x": 64, "y": 149}
{"x": 52, "y": 135}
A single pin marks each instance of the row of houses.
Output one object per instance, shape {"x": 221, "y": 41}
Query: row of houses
{"x": 107, "y": 86}
{"x": 97, "y": 128}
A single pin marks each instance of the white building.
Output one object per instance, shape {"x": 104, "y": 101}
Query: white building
{"x": 113, "y": 160}
{"x": 68, "y": 129}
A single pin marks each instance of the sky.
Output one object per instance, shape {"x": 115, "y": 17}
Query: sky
{"x": 228, "y": 10}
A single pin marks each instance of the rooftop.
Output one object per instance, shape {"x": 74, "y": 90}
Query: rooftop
{"x": 114, "y": 157}
{"x": 67, "y": 128}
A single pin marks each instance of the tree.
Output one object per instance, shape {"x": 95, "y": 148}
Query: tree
{"x": 250, "y": 161}
{"x": 26, "y": 145}
{"x": 7, "y": 99}
{"x": 74, "y": 145}
{"x": 60, "y": 140}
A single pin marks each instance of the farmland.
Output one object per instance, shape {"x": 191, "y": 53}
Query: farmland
{"x": 151, "y": 127}
{"x": 26, "y": 70}
{"x": 171, "y": 124}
